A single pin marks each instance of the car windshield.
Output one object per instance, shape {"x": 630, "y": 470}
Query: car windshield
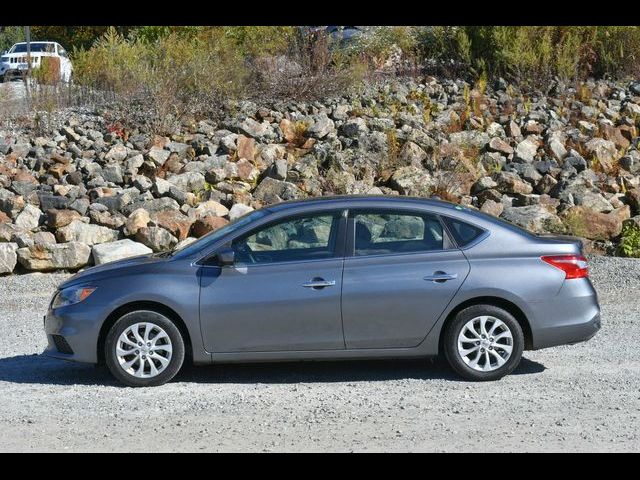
{"x": 216, "y": 235}
{"x": 35, "y": 47}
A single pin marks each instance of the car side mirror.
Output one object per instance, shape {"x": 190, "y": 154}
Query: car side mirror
{"x": 226, "y": 257}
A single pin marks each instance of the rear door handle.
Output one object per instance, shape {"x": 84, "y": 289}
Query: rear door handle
{"x": 441, "y": 277}
{"x": 319, "y": 283}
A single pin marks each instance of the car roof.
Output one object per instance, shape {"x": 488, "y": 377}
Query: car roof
{"x": 441, "y": 207}
{"x": 345, "y": 201}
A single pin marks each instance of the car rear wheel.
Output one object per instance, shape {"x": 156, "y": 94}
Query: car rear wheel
{"x": 144, "y": 349}
{"x": 483, "y": 342}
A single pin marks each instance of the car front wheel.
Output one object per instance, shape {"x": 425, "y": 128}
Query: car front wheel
{"x": 483, "y": 342}
{"x": 144, "y": 349}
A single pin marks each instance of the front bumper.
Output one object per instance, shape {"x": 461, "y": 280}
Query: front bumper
{"x": 78, "y": 328}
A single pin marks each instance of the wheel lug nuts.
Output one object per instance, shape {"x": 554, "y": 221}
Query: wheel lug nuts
{"x": 484, "y": 336}
{"x": 481, "y": 351}
{"x": 139, "y": 344}
{"x": 490, "y": 348}
{"x": 148, "y": 344}
{"x": 137, "y": 352}
{"x": 144, "y": 357}
{"x": 491, "y": 339}
{"x": 477, "y": 343}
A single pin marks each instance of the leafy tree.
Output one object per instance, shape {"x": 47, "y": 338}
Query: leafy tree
{"x": 9, "y": 36}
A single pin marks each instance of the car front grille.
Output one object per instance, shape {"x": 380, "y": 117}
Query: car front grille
{"x": 61, "y": 344}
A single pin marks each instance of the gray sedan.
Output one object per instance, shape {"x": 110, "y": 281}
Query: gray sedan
{"x": 332, "y": 278}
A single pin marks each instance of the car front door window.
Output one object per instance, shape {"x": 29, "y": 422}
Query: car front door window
{"x": 298, "y": 239}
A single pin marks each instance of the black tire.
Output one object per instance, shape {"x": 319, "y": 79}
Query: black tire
{"x": 450, "y": 343}
{"x": 129, "y": 319}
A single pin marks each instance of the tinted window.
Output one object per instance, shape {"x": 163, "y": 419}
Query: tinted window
{"x": 379, "y": 233}
{"x": 462, "y": 232}
{"x": 212, "y": 237}
{"x": 35, "y": 47}
{"x": 302, "y": 238}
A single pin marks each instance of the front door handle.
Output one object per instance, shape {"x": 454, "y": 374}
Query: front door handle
{"x": 440, "y": 277}
{"x": 318, "y": 283}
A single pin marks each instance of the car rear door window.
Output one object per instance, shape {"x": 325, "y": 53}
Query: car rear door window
{"x": 301, "y": 238}
{"x": 379, "y": 233}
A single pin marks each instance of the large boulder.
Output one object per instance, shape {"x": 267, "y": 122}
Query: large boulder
{"x": 271, "y": 190}
{"x": 412, "y": 181}
{"x": 238, "y": 210}
{"x": 526, "y": 150}
{"x": 112, "y": 251}
{"x": 354, "y": 127}
{"x": 510, "y": 182}
{"x": 321, "y": 126}
{"x": 588, "y": 223}
{"x": 256, "y": 129}
{"x": 138, "y": 219}
{"x": 156, "y": 238}
{"x": 603, "y": 152}
{"x": 29, "y": 218}
{"x": 54, "y": 256}
{"x": 152, "y": 206}
{"x": 8, "y": 257}
{"x": 535, "y": 218}
{"x": 210, "y": 207}
{"x": 61, "y": 218}
{"x": 207, "y": 224}
{"x": 78, "y": 231}
{"x": 175, "y": 222}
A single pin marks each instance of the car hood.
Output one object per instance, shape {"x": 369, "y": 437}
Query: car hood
{"x": 99, "y": 272}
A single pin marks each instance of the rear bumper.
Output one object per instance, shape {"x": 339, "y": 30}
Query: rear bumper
{"x": 572, "y": 316}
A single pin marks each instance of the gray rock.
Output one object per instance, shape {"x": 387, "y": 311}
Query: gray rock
{"x": 527, "y": 149}
{"x": 412, "y": 154}
{"x": 188, "y": 182}
{"x": 470, "y": 138}
{"x": 271, "y": 190}
{"x": 156, "y": 238}
{"x": 50, "y": 256}
{"x": 412, "y": 181}
{"x": 535, "y": 218}
{"x": 117, "y": 153}
{"x": 43, "y": 237}
{"x": 158, "y": 155}
{"x": 8, "y": 257}
{"x": 90, "y": 234}
{"x": 255, "y": 129}
{"x": 238, "y": 210}
{"x": 354, "y": 127}
{"x": 112, "y": 173}
{"x": 510, "y": 182}
{"x": 29, "y": 218}
{"x": 113, "y": 251}
{"x": 152, "y": 206}
{"x": 321, "y": 126}
{"x": 604, "y": 151}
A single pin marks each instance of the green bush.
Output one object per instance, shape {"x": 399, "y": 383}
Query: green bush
{"x": 630, "y": 240}
{"x": 534, "y": 54}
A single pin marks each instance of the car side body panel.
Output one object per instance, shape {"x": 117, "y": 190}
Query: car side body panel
{"x": 505, "y": 263}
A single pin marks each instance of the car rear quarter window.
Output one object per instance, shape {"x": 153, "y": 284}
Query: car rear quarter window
{"x": 463, "y": 232}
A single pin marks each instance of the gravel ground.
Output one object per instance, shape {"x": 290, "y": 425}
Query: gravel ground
{"x": 584, "y": 397}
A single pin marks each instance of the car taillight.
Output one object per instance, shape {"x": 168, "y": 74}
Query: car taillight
{"x": 574, "y": 266}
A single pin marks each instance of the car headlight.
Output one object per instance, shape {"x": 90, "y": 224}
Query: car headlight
{"x": 70, "y": 296}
